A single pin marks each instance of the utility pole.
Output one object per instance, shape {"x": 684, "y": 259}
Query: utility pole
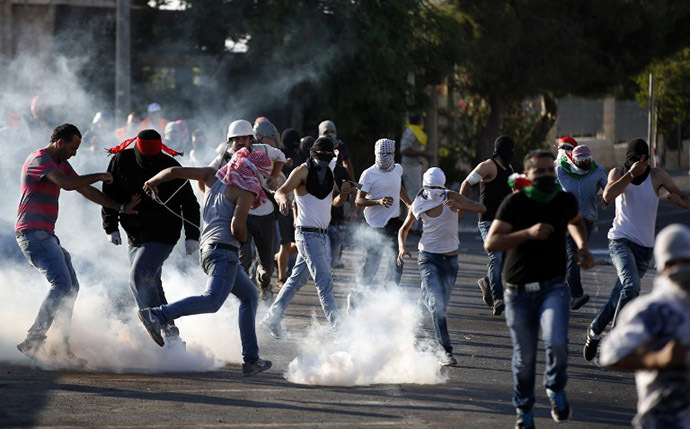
{"x": 650, "y": 120}
{"x": 122, "y": 61}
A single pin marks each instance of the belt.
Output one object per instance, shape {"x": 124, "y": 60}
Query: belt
{"x": 222, "y": 246}
{"x": 310, "y": 229}
{"x": 542, "y": 284}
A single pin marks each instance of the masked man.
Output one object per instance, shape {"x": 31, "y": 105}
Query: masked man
{"x": 582, "y": 177}
{"x": 492, "y": 176}
{"x": 315, "y": 191}
{"x": 153, "y": 232}
{"x": 635, "y": 188}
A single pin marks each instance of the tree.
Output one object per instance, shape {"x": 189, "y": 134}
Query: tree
{"x": 517, "y": 49}
{"x": 671, "y": 93}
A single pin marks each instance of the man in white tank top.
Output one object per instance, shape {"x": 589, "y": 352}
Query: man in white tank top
{"x": 635, "y": 189}
{"x": 437, "y": 209}
{"x": 315, "y": 191}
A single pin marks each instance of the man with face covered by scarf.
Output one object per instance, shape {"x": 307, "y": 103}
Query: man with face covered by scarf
{"x": 154, "y": 231}
{"x": 315, "y": 191}
{"x": 582, "y": 177}
{"x": 492, "y": 176}
{"x": 530, "y": 226}
{"x": 635, "y": 188}
{"x": 380, "y": 196}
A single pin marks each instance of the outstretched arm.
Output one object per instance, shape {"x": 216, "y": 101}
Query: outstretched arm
{"x": 206, "y": 175}
{"x": 458, "y": 201}
{"x": 676, "y": 196}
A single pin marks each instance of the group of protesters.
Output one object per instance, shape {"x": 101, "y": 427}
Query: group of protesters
{"x": 270, "y": 194}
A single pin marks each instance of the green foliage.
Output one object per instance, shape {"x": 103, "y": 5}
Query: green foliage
{"x": 671, "y": 92}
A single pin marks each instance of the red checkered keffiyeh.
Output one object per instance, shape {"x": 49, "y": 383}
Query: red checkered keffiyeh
{"x": 245, "y": 170}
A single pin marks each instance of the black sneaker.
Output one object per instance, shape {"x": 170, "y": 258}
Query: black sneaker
{"x": 579, "y": 301}
{"x": 524, "y": 420}
{"x": 486, "y": 292}
{"x": 591, "y": 346}
{"x": 266, "y": 293}
{"x": 31, "y": 346}
{"x": 560, "y": 408}
{"x": 249, "y": 369}
{"x": 152, "y": 325}
{"x": 499, "y": 306}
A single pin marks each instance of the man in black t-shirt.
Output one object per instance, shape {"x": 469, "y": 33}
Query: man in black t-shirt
{"x": 530, "y": 227}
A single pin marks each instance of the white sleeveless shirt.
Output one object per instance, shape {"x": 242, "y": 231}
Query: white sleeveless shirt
{"x": 440, "y": 233}
{"x": 313, "y": 212}
{"x": 636, "y": 210}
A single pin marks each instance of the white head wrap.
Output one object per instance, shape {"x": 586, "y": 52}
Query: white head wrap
{"x": 433, "y": 192}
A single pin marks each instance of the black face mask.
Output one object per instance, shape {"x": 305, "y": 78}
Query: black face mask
{"x": 147, "y": 162}
{"x": 504, "y": 147}
{"x": 637, "y": 148}
{"x": 584, "y": 165}
{"x": 546, "y": 184}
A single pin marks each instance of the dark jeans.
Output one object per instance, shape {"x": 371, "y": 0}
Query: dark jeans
{"x": 495, "y": 265}
{"x": 572, "y": 276}
{"x": 379, "y": 241}
{"x": 631, "y": 261}
{"x": 146, "y": 265}
{"x": 260, "y": 229}
{"x": 526, "y": 312}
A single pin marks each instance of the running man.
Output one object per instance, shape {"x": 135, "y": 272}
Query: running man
{"x": 229, "y": 194}
{"x": 45, "y": 172}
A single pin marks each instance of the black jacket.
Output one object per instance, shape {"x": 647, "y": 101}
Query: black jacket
{"x": 154, "y": 223}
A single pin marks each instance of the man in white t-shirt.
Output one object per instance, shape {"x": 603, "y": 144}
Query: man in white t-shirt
{"x": 380, "y": 195}
{"x": 652, "y": 337}
{"x": 261, "y": 224}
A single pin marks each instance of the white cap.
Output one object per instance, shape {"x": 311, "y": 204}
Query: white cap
{"x": 673, "y": 242}
{"x": 434, "y": 177}
{"x": 154, "y": 107}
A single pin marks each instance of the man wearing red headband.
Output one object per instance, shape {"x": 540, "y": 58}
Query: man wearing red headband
{"x": 153, "y": 232}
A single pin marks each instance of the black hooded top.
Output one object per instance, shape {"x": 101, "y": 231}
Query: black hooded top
{"x": 154, "y": 223}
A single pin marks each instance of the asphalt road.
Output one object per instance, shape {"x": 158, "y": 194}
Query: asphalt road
{"x": 476, "y": 394}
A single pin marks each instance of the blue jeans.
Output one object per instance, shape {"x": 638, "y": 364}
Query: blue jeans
{"x": 381, "y": 242}
{"x": 43, "y": 251}
{"x": 572, "y": 276}
{"x": 526, "y": 312}
{"x": 495, "y": 265}
{"x": 313, "y": 255}
{"x": 438, "y": 273}
{"x": 631, "y": 261}
{"x": 225, "y": 276}
{"x": 336, "y": 244}
{"x": 146, "y": 263}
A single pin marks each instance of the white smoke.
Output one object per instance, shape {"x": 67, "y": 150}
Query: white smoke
{"x": 379, "y": 341}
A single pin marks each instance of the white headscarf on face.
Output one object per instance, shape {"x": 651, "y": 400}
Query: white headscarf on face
{"x": 384, "y": 151}
{"x": 433, "y": 192}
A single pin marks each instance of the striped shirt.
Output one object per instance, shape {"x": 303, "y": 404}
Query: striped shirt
{"x": 38, "y": 206}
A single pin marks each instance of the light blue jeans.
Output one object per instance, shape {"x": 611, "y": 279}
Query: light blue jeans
{"x": 631, "y": 261}
{"x": 225, "y": 276}
{"x": 146, "y": 264}
{"x": 438, "y": 273}
{"x": 43, "y": 251}
{"x": 314, "y": 255}
{"x": 493, "y": 272}
{"x": 526, "y": 312}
